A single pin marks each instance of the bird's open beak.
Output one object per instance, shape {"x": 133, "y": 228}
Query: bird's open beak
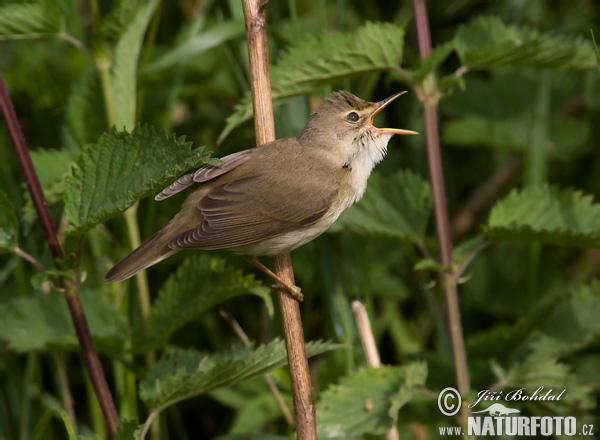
{"x": 383, "y": 104}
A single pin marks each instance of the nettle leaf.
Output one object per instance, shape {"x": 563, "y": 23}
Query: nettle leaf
{"x": 397, "y": 207}
{"x": 361, "y": 402}
{"x": 327, "y": 59}
{"x": 120, "y": 17}
{"x": 9, "y": 226}
{"x": 205, "y": 40}
{"x": 199, "y": 284}
{"x": 549, "y": 373}
{"x": 573, "y": 325}
{"x": 123, "y": 69}
{"x": 546, "y": 214}
{"x": 129, "y": 430}
{"x": 43, "y": 322}
{"x": 503, "y": 340}
{"x": 486, "y": 42}
{"x": 109, "y": 176}
{"x": 187, "y": 373}
{"x": 22, "y": 19}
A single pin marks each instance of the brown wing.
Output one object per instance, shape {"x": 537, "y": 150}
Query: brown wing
{"x": 205, "y": 174}
{"x": 243, "y": 210}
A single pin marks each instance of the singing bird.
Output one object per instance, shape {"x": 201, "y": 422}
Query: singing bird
{"x": 273, "y": 198}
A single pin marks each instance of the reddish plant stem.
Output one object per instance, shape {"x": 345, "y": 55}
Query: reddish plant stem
{"x": 90, "y": 356}
{"x": 430, "y": 98}
{"x": 255, "y": 18}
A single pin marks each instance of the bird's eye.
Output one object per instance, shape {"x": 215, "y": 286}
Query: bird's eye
{"x": 352, "y": 117}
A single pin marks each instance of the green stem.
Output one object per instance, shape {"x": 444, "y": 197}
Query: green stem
{"x": 430, "y": 97}
{"x": 103, "y": 63}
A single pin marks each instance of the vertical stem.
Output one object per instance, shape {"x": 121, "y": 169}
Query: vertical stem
{"x": 255, "y": 17}
{"x": 90, "y": 356}
{"x": 431, "y": 97}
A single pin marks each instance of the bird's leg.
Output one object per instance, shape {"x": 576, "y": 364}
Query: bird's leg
{"x": 293, "y": 290}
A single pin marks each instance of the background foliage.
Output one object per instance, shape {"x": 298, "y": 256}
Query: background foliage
{"x": 519, "y": 89}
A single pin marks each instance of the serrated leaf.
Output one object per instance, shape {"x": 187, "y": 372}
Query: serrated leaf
{"x": 208, "y": 39}
{"x": 186, "y": 373}
{"x": 549, "y": 373}
{"x": 327, "y": 59}
{"x": 415, "y": 377}
{"x": 123, "y": 69}
{"x": 129, "y": 430}
{"x": 546, "y": 214}
{"x": 9, "y": 226}
{"x": 397, "y": 208}
{"x": 109, "y": 176}
{"x": 199, "y": 284}
{"x": 120, "y": 17}
{"x": 502, "y": 340}
{"x": 43, "y": 322}
{"x": 486, "y": 42}
{"x": 360, "y": 403}
{"x": 21, "y": 19}
{"x": 573, "y": 325}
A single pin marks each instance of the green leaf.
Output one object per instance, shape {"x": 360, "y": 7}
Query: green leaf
{"x": 123, "y": 71}
{"x": 549, "y": 373}
{"x": 129, "y": 430}
{"x": 361, "y": 403}
{"x": 199, "y": 284}
{"x": 43, "y": 322}
{"x": 208, "y": 39}
{"x": 415, "y": 377}
{"x": 548, "y": 215}
{"x": 502, "y": 340}
{"x": 187, "y": 373}
{"x": 327, "y": 59}
{"x": 22, "y": 19}
{"x": 121, "y": 16}
{"x": 9, "y": 226}
{"x": 486, "y": 43}
{"x": 396, "y": 208}
{"x": 573, "y": 325}
{"x": 109, "y": 176}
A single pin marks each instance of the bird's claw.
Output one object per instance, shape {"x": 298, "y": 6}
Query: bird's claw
{"x": 294, "y": 291}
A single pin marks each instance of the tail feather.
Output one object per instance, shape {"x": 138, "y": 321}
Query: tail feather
{"x": 153, "y": 250}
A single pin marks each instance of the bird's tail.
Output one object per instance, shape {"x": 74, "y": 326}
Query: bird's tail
{"x": 150, "y": 252}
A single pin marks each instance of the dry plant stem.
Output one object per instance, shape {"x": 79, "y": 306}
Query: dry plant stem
{"x": 439, "y": 197}
{"x": 363, "y": 323}
{"x": 237, "y": 328}
{"x": 255, "y": 18}
{"x": 90, "y": 356}
{"x": 366, "y": 333}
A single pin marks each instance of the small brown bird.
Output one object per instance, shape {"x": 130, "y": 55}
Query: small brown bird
{"x": 278, "y": 196}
